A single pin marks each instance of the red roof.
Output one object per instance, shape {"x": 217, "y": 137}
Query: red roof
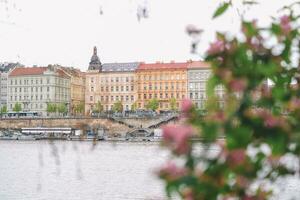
{"x": 162, "y": 66}
{"x": 198, "y": 64}
{"x": 21, "y": 71}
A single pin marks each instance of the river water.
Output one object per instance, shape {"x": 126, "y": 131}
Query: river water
{"x": 65, "y": 170}
{"x": 76, "y": 170}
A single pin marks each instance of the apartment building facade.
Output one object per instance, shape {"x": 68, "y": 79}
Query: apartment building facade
{"x": 113, "y": 82}
{"x": 77, "y": 88}
{"x": 161, "y": 81}
{"x": 198, "y": 76}
{"x": 35, "y": 87}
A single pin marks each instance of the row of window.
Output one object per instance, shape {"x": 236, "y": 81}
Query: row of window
{"x": 202, "y": 95}
{"x": 113, "y": 79}
{"x": 161, "y": 96}
{"x": 199, "y": 75}
{"x": 115, "y": 88}
{"x": 114, "y": 98}
{"x": 161, "y": 77}
{"x": 37, "y": 81}
{"x": 166, "y": 86}
{"x": 37, "y": 97}
{"x": 31, "y": 106}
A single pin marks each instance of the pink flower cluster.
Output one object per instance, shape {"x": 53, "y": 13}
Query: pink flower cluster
{"x": 216, "y": 47}
{"x": 238, "y": 85}
{"x": 285, "y": 24}
{"x": 177, "y": 138}
{"x": 186, "y": 105}
{"x": 236, "y": 157}
{"x": 171, "y": 171}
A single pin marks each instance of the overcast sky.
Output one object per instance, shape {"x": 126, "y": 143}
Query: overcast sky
{"x": 42, "y": 32}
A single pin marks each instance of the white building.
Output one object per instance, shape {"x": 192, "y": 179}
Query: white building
{"x": 35, "y": 87}
{"x": 198, "y": 75}
{"x": 3, "y": 89}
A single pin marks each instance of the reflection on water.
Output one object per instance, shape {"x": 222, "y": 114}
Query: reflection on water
{"x": 74, "y": 170}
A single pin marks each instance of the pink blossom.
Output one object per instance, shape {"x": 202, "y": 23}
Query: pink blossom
{"x": 285, "y": 24}
{"x": 186, "y": 105}
{"x": 270, "y": 121}
{"x": 172, "y": 171}
{"x": 238, "y": 85}
{"x": 216, "y": 47}
{"x": 177, "y": 138}
{"x": 237, "y": 156}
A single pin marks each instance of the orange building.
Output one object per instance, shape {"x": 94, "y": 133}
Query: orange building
{"x": 161, "y": 81}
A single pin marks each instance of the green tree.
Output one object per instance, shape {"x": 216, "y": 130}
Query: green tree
{"x": 3, "y": 110}
{"x": 79, "y": 108}
{"x": 152, "y": 104}
{"x": 51, "y": 108}
{"x": 17, "y": 107}
{"x": 173, "y": 104}
{"x": 98, "y": 108}
{"x": 62, "y": 108}
{"x": 134, "y": 106}
{"x": 118, "y": 107}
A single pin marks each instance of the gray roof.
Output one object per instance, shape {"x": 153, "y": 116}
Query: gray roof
{"x": 120, "y": 67}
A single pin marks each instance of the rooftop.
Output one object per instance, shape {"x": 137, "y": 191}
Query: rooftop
{"x": 198, "y": 65}
{"x": 162, "y": 66}
{"x": 24, "y": 71}
{"x": 120, "y": 67}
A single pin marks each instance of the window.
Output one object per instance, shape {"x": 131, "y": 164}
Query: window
{"x": 91, "y": 98}
{"x": 127, "y": 88}
{"x": 112, "y": 88}
{"x": 145, "y": 96}
{"x": 92, "y": 80}
{"x": 127, "y": 98}
{"x": 111, "y": 98}
{"x": 132, "y": 88}
{"x": 122, "y": 88}
{"x": 92, "y": 89}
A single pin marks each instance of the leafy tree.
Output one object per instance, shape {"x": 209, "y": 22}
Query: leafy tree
{"x": 98, "y": 107}
{"x": 134, "y": 106}
{"x": 79, "y": 108}
{"x": 173, "y": 104}
{"x": 152, "y": 104}
{"x": 51, "y": 108}
{"x": 118, "y": 107}
{"x": 17, "y": 107}
{"x": 62, "y": 108}
{"x": 260, "y": 123}
{"x": 3, "y": 110}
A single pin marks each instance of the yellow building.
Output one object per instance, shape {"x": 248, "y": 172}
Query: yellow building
{"x": 77, "y": 89}
{"x": 165, "y": 82}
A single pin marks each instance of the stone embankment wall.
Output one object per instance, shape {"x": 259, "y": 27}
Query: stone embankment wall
{"x": 114, "y": 126}
{"x": 111, "y": 126}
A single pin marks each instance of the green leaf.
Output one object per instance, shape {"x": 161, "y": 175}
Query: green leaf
{"x": 221, "y": 9}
